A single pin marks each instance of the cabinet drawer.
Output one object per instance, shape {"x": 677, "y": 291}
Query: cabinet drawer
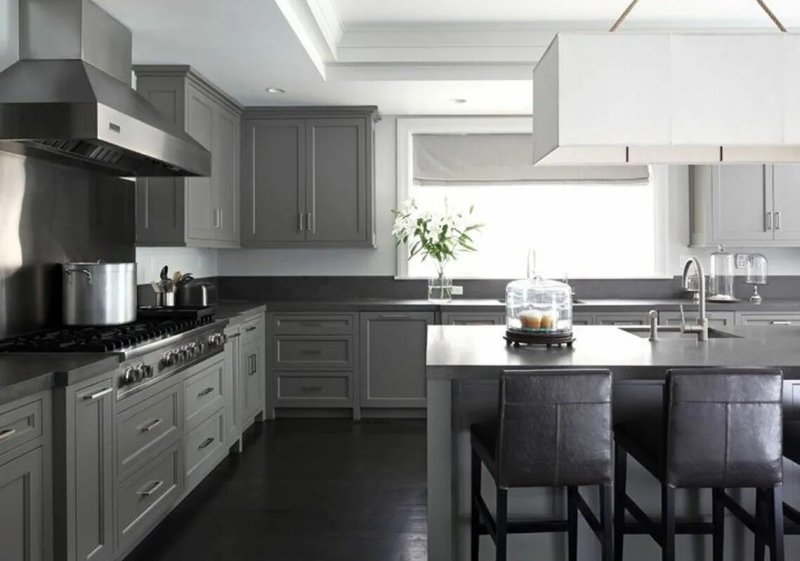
{"x": 146, "y": 496}
{"x": 761, "y": 318}
{"x": 20, "y": 425}
{"x": 317, "y": 352}
{"x": 476, "y": 318}
{"x": 202, "y": 445}
{"x": 311, "y": 388}
{"x": 313, "y": 324}
{"x": 143, "y": 430}
{"x": 252, "y": 328}
{"x": 202, "y": 393}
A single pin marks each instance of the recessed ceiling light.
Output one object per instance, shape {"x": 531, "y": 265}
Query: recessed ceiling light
{"x": 276, "y": 90}
{"x": 458, "y": 100}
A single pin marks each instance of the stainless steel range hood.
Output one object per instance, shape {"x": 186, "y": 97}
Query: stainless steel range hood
{"x": 69, "y": 98}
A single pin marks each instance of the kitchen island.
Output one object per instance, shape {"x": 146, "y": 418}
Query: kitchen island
{"x": 463, "y": 366}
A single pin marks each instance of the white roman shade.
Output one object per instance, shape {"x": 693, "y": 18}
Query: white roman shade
{"x": 500, "y": 158}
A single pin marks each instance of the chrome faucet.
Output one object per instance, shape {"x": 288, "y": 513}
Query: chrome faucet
{"x": 701, "y": 327}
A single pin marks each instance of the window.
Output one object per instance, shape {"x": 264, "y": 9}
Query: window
{"x": 588, "y": 230}
{"x": 582, "y": 222}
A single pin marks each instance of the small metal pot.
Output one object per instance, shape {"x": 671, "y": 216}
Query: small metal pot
{"x": 99, "y": 293}
{"x": 195, "y": 293}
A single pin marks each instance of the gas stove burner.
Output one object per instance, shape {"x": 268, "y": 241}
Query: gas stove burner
{"x": 98, "y": 339}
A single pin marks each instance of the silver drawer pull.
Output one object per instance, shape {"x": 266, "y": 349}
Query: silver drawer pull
{"x": 7, "y": 433}
{"x": 311, "y": 324}
{"x": 151, "y": 425}
{"x": 311, "y": 352}
{"x": 233, "y": 336}
{"x": 155, "y": 486}
{"x": 98, "y": 395}
{"x": 206, "y": 443}
{"x": 251, "y": 328}
{"x": 394, "y": 316}
{"x": 205, "y": 392}
{"x": 310, "y": 389}
{"x": 781, "y": 322}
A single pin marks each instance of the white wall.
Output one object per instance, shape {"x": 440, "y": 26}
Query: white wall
{"x": 199, "y": 262}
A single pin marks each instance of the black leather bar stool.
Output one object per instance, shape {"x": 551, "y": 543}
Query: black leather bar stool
{"x": 719, "y": 428}
{"x": 791, "y": 451}
{"x": 553, "y": 430}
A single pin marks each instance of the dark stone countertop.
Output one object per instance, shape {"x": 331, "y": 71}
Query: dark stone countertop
{"x": 229, "y": 309}
{"x": 237, "y": 310}
{"x": 23, "y": 374}
{"x": 479, "y": 352}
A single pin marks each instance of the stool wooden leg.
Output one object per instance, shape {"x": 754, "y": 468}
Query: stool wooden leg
{"x": 762, "y": 526}
{"x": 718, "y": 520}
{"x": 475, "y": 531}
{"x": 607, "y": 547}
{"x": 668, "y": 522}
{"x": 776, "y": 523}
{"x": 620, "y": 475}
{"x": 572, "y": 524}
{"x": 501, "y": 518}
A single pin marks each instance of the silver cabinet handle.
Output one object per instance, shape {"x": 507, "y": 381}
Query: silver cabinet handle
{"x": 155, "y": 486}
{"x": 768, "y": 221}
{"x": 309, "y": 389}
{"x": 253, "y": 364}
{"x": 301, "y": 221}
{"x": 394, "y": 316}
{"x": 151, "y": 425}
{"x": 7, "y": 433}
{"x": 781, "y": 322}
{"x": 206, "y": 443}
{"x": 777, "y": 220}
{"x": 233, "y": 336}
{"x": 311, "y": 352}
{"x": 251, "y": 328}
{"x": 205, "y": 392}
{"x": 311, "y": 223}
{"x": 98, "y": 395}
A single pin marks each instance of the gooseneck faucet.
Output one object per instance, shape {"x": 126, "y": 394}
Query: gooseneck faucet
{"x": 701, "y": 327}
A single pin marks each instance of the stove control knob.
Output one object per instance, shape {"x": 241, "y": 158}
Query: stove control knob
{"x": 128, "y": 377}
{"x": 169, "y": 359}
{"x": 192, "y": 349}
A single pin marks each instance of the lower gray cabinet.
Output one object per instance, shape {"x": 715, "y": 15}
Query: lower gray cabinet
{"x": 84, "y": 470}
{"x": 715, "y": 318}
{"x": 252, "y": 369}
{"x": 767, "y": 318}
{"x": 393, "y": 349}
{"x": 21, "y": 508}
{"x": 473, "y": 318}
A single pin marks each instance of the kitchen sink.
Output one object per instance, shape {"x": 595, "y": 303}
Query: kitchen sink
{"x": 671, "y": 332}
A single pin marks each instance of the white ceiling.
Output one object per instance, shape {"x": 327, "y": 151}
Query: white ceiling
{"x": 407, "y": 57}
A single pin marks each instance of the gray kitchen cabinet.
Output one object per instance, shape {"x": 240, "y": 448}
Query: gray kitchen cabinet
{"x": 26, "y": 499}
{"x": 620, "y": 318}
{"x": 233, "y": 392}
{"x": 195, "y": 211}
{"x": 84, "y": 470}
{"x": 767, "y": 318}
{"x": 748, "y": 205}
{"x": 392, "y": 366}
{"x": 715, "y": 318}
{"x": 473, "y": 318}
{"x": 22, "y": 515}
{"x": 307, "y": 177}
{"x": 252, "y": 371}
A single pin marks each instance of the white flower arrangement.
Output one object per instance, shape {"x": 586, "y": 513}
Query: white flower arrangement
{"x": 440, "y": 236}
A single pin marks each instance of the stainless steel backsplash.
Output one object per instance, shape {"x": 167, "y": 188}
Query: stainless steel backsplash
{"x": 51, "y": 214}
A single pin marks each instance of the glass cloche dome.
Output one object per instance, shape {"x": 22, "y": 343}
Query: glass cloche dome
{"x": 538, "y": 310}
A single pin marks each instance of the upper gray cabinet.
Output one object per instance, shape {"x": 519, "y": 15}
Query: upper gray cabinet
{"x": 745, "y": 205}
{"x": 307, "y": 177}
{"x": 196, "y": 211}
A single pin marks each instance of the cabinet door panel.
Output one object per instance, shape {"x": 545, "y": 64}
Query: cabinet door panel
{"x": 273, "y": 194}
{"x": 742, "y": 199}
{"x": 473, "y": 318}
{"x": 337, "y": 182}
{"x": 786, "y": 181}
{"x": 21, "y": 508}
{"x": 226, "y": 154}
{"x": 200, "y": 199}
{"x": 252, "y": 366}
{"x": 393, "y": 348}
{"x": 94, "y": 429}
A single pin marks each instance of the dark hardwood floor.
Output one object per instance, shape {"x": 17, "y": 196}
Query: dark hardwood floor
{"x": 306, "y": 490}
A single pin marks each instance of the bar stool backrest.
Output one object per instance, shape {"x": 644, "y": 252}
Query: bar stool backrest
{"x": 724, "y": 427}
{"x": 555, "y": 428}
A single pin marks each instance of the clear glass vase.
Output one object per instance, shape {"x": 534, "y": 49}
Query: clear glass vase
{"x": 440, "y": 288}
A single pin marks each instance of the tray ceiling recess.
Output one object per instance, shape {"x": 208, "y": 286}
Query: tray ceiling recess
{"x": 690, "y": 98}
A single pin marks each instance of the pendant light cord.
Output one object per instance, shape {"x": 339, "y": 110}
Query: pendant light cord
{"x": 761, "y": 3}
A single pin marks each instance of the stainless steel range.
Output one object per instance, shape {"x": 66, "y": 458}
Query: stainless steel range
{"x": 149, "y": 350}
